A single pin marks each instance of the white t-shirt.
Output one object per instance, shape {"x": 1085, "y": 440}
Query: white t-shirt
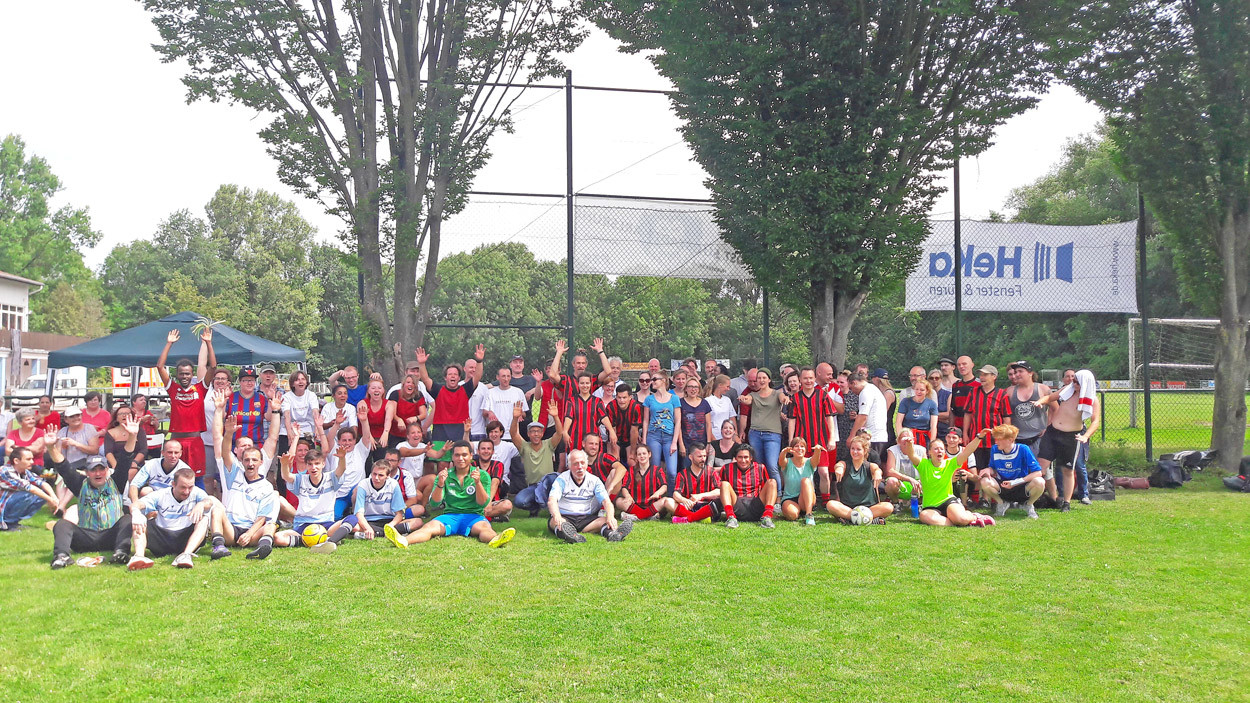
{"x": 504, "y": 453}
{"x": 872, "y": 404}
{"x": 722, "y": 409}
{"x": 836, "y": 396}
{"x": 171, "y": 514}
{"x": 244, "y": 500}
{"x": 153, "y": 475}
{"x": 476, "y": 402}
{"x": 210, "y": 409}
{"x": 303, "y": 410}
{"x": 414, "y": 464}
{"x": 500, "y": 402}
{"x": 573, "y": 499}
{"x": 331, "y": 411}
{"x": 902, "y": 463}
{"x": 355, "y": 471}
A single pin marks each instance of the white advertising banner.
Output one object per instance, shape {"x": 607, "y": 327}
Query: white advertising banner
{"x": 1013, "y": 267}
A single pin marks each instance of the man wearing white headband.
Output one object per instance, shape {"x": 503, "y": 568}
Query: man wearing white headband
{"x": 1070, "y": 407}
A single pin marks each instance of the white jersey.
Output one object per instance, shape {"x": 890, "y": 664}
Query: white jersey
{"x": 355, "y": 471}
{"x": 330, "y": 413}
{"x": 575, "y": 499}
{"x": 413, "y": 464}
{"x": 505, "y": 451}
{"x": 407, "y": 482}
{"x": 316, "y": 503}
{"x": 477, "y": 402}
{"x": 153, "y": 475}
{"x": 171, "y": 514}
{"x": 501, "y": 402}
{"x": 303, "y": 410}
{"x": 872, "y": 404}
{"x": 247, "y": 500}
{"x": 378, "y": 503}
{"x": 722, "y": 410}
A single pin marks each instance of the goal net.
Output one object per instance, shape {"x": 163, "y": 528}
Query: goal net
{"x": 1180, "y": 353}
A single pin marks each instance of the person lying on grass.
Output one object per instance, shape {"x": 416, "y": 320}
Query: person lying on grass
{"x": 103, "y": 523}
{"x": 463, "y": 493}
{"x": 574, "y": 501}
{"x": 799, "y": 494}
{"x": 939, "y": 506}
{"x": 857, "y": 482}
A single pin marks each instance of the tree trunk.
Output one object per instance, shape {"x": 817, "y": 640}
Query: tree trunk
{"x": 833, "y": 313}
{"x": 1232, "y": 353}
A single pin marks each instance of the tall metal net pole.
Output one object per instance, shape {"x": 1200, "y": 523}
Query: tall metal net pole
{"x": 1142, "y": 299}
{"x": 959, "y": 272}
{"x": 568, "y": 191}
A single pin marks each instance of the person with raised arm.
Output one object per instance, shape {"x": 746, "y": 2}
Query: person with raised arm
{"x": 938, "y": 471}
{"x": 187, "y": 392}
{"x": 102, "y": 523}
{"x": 251, "y": 505}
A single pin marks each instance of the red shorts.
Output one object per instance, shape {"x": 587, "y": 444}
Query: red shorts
{"x": 921, "y": 437}
{"x": 193, "y": 453}
{"x": 830, "y": 452}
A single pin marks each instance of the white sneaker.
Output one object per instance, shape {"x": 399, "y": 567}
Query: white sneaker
{"x": 183, "y": 561}
{"x": 1030, "y": 511}
{"x": 1000, "y": 509}
{"x": 324, "y": 548}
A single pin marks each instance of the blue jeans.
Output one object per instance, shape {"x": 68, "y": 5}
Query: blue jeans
{"x": 527, "y": 499}
{"x": 1080, "y": 474}
{"x": 659, "y": 443}
{"x": 21, "y": 506}
{"x": 767, "y": 446}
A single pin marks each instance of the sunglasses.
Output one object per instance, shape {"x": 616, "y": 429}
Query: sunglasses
{"x": 644, "y": 380}
{"x": 935, "y": 378}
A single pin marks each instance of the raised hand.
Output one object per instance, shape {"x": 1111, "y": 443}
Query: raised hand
{"x": 475, "y": 474}
{"x": 219, "y": 398}
{"x": 517, "y": 412}
{"x": 172, "y": 336}
{"x": 441, "y": 479}
{"x": 340, "y": 417}
{"x": 276, "y": 402}
{"x": 132, "y": 426}
{"x": 561, "y": 346}
{"x": 286, "y": 460}
{"x": 479, "y": 352}
{"x": 538, "y": 375}
{"x": 422, "y": 356}
{"x": 49, "y": 436}
{"x": 207, "y": 335}
{"x": 598, "y": 345}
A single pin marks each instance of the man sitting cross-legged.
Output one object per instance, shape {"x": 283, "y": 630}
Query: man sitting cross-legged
{"x": 857, "y": 482}
{"x": 697, "y": 493}
{"x": 575, "y": 499}
{"x": 746, "y": 491}
{"x": 644, "y": 492}
{"x": 937, "y": 472}
{"x": 380, "y": 507}
{"x": 183, "y": 513}
{"x": 463, "y": 493}
{"x": 250, "y": 517}
{"x": 103, "y": 523}
{"x": 1013, "y": 476}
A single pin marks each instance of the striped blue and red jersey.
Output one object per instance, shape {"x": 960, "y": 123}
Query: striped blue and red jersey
{"x": 811, "y": 415}
{"x": 586, "y": 414}
{"x": 642, "y": 486}
{"x": 745, "y": 483}
{"x": 690, "y": 484}
{"x": 249, "y": 416}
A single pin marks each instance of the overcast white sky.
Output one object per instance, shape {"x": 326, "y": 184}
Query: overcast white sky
{"x": 86, "y": 91}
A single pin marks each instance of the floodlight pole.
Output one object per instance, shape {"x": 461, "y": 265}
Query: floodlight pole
{"x": 959, "y": 272}
{"x": 1142, "y": 304}
{"x": 568, "y": 193}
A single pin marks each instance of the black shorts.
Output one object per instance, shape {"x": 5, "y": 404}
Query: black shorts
{"x": 749, "y": 509}
{"x": 943, "y": 507}
{"x": 1058, "y": 447}
{"x": 378, "y": 526}
{"x": 163, "y": 542}
{"x": 579, "y": 521}
{"x": 1018, "y": 493}
{"x": 717, "y": 507}
{"x": 983, "y": 455}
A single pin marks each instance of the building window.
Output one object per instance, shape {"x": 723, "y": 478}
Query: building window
{"x": 12, "y": 317}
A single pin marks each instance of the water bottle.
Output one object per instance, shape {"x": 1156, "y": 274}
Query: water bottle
{"x": 915, "y": 506}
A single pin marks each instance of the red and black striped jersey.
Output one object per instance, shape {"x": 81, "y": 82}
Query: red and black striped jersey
{"x": 623, "y": 419}
{"x": 986, "y": 410}
{"x": 960, "y": 392}
{"x": 496, "y": 470}
{"x": 745, "y": 483}
{"x": 811, "y": 415}
{"x": 568, "y": 385}
{"x": 642, "y": 486}
{"x": 586, "y": 414}
{"x": 690, "y": 484}
{"x": 602, "y": 466}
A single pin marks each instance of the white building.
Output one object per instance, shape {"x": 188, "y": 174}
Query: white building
{"x": 15, "y": 292}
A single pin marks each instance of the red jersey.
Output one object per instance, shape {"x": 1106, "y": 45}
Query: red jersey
{"x": 451, "y": 405}
{"x": 404, "y": 409}
{"x": 550, "y": 401}
{"x": 745, "y": 483}
{"x": 495, "y": 470}
{"x": 642, "y": 486}
{"x": 986, "y": 410}
{"x": 377, "y": 418}
{"x": 690, "y": 484}
{"x": 52, "y": 419}
{"x": 624, "y": 419}
{"x": 586, "y": 415}
{"x": 568, "y": 385}
{"x": 186, "y": 406}
{"x": 602, "y": 466}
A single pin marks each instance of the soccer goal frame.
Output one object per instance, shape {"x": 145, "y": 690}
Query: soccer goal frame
{"x": 1136, "y": 365}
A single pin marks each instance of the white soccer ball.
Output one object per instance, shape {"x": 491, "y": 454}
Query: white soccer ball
{"x": 861, "y": 516}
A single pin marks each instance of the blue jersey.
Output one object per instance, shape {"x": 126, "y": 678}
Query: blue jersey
{"x": 379, "y": 503}
{"x": 1015, "y": 464}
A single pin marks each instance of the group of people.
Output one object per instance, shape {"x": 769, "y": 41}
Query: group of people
{"x": 426, "y": 459}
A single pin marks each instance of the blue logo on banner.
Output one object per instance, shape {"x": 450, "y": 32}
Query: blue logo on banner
{"x": 1048, "y": 262}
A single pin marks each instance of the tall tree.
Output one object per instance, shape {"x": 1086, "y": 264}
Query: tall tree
{"x": 1174, "y": 77}
{"x": 381, "y": 109}
{"x": 822, "y": 125}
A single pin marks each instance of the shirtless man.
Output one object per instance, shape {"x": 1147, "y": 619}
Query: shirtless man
{"x": 1067, "y": 431}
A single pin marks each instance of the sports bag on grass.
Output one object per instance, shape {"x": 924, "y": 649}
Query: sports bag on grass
{"x": 1169, "y": 473}
{"x": 1101, "y": 485}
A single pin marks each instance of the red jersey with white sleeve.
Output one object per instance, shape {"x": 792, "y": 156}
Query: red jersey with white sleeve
{"x": 186, "y": 406}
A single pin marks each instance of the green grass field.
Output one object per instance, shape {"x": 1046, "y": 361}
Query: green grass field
{"x": 1138, "y": 599}
{"x": 1179, "y": 421}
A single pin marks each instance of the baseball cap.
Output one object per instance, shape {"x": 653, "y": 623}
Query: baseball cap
{"x": 881, "y": 373}
{"x": 992, "y": 370}
{"x": 539, "y": 425}
{"x": 946, "y": 360}
{"x": 265, "y": 367}
{"x": 247, "y": 371}
{"x": 955, "y": 431}
{"x": 95, "y": 460}
{"x": 1020, "y": 365}
{"x": 518, "y": 357}
{"x": 71, "y": 411}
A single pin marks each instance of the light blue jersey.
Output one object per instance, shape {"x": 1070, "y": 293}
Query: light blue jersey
{"x": 246, "y": 501}
{"x": 573, "y": 498}
{"x": 379, "y": 503}
{"x": 316, "y": 503}
{"x": 170, "y": 513}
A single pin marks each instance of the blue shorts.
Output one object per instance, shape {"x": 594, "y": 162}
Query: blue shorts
{"x": 459, "y": 524}
{"x": 408, "y": 513}
{"x": 299, "y": 526}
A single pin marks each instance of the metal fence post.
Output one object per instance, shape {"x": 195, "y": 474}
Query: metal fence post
{"x": 767, "y": 345}
{"x": 1142, "y": 299}
{"x": 568, "y": 192}
{"x": 959, "y": 272}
